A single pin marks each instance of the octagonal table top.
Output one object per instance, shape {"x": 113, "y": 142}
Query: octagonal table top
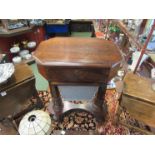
{"x": 76, "y": 51}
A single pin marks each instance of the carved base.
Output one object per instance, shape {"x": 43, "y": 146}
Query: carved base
{"x": 98, "y": 108}
{"x": 57, "y": 105}
{"x": 99, "y": 111}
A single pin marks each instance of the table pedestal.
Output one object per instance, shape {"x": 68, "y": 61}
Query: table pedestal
{"x": 98, "y": 107}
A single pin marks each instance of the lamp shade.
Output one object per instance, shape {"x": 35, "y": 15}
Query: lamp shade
{"x": 36, "y": 122}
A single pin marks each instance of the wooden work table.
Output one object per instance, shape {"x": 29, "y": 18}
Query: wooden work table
{"x": 78, "y": 61}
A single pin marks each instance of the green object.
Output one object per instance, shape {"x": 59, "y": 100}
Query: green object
{"x": 41, "y": 82}
{"x": 114, "y": 28}
{"x": 81, "y": 34}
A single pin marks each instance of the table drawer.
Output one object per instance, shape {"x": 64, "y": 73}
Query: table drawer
{"x": 139, "y": 109}
{"x": 75, "y": 75}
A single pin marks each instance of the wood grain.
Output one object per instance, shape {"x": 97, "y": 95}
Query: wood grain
{"x": 138, "y": 99}
{"x": 139, "y": 87}
{"x": 83, "y": 52}
{"x": 19, "y": 90}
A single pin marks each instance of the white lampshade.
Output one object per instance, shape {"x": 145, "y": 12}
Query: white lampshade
{"x": 36, "y": 122}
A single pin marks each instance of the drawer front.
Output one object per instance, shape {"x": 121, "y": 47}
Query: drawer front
{"x": 16, "y": 98}
{"x": 77, "y": 75}
{"x": 140, "y": 110}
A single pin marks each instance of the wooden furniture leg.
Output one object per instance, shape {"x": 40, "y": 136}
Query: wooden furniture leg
{"x": 56, "y": 100}
{"x": 99, "y": 106}
{"x": 39, "y": 103}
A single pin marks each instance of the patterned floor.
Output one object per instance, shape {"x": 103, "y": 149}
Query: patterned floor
{"x": 79, "y": 120}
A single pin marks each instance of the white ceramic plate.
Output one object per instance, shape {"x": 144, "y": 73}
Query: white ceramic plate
{"x": 23, "y": 53}
{"x": 28, "y": 56}
{"x": 14, "y": 49}
{"x": 31, "y": 44}
{"x": 6, "y": 71}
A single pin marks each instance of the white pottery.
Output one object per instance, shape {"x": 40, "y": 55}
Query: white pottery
{"x": 17, "y": 59}
{"x": 31, "y": 44}
{"x": 14, "y": 49}
{"x": 23, "y": 53}
{"x": 27, "y": 56}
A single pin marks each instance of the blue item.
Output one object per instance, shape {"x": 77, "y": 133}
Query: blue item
{"x": 57, "y": 28}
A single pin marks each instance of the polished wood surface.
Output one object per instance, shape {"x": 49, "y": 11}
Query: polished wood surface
{"x": 7, "y": 128}
{"x": 22, "y": 73}
{"x": 17, "y": 92}
{"x": 138, "y": 99}
{"x": 140, "y": 110}
{"x": 74, "y": 75}
{"x": 139, "y": 88}
{"x": 72, "y": 51}
{"x": 78, "y": 61}
{"x": 84, "y": 60}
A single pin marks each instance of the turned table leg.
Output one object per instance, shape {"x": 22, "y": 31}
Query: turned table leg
{"x": 56, "y": 101}
{"x": 99, "y": 106}
{"x": 39, "y": 103}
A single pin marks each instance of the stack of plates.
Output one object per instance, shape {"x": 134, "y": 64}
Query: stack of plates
{"x": 25, "y": 54}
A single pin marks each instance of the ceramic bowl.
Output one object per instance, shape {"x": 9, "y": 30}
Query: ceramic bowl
{"x": 28, "y": 56}
{"x": 14, "y": 49}
{"x": 23, "y": 53}
{"x": 17, "y": 59}
{"x": 6, "y": 71}
{"x": 31, "y": 44}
